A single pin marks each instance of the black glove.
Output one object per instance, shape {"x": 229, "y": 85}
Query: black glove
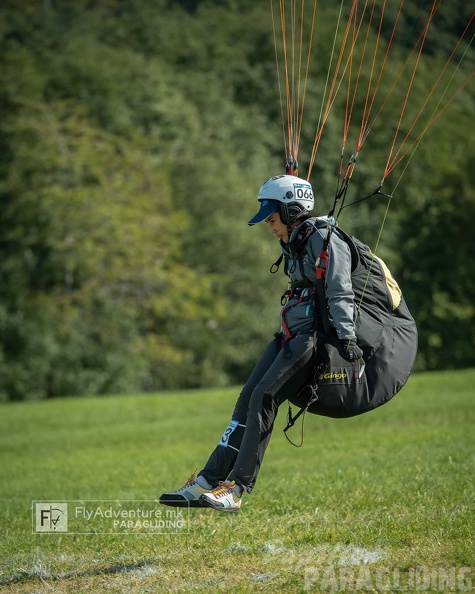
{"x": 349, "y": 350}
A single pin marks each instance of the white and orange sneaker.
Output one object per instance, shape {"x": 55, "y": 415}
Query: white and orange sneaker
{"x": 225, "y": 497}
{"x": 189, "y": 495}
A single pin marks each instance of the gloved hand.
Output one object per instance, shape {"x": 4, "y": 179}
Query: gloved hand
{"x": 349, "y": 350}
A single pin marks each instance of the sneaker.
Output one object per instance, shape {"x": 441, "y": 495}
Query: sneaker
{"x": 187, "y": 496}
{"x": 223, "y": 498}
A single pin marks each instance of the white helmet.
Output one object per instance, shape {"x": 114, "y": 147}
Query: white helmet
{"x": 291, "y": 196}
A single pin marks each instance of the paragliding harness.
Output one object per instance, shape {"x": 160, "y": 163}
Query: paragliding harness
{"x": 385, "y": 330}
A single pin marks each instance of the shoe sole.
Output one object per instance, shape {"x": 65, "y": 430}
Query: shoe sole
{"x": 214, "y": 505}
{"x": 181, "y": 503}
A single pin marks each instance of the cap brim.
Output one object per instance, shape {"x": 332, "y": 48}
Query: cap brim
{"x": 266, "y": 209}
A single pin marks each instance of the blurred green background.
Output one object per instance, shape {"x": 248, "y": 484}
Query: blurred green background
{"x": 134, "y": 137}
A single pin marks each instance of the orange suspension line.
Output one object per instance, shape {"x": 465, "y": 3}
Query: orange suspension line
{"x": 292, "y": 109}
{"x": 347, "y": 119}
{"x": 297, "y": 104}
{"x": 365, "y": 127}
{"x": 424, "y": 36}
{"x": 418, "y": 139}
{"x": 346, "y": 125}
{"x": 434, "y": 118}
{"x": 395, "y": 159}
{"x": 349, "y": 108}
{"x": 286, "y": 72}
{"x": 366, "y": 107}
{"x": 332, "y": 93}
{"x": 278, "y": 76}
{"x": 294, "y": 85}
{"x": 401, "y": 71}
{"x": 363, "y": 53}
{"x": 302, "y": 104}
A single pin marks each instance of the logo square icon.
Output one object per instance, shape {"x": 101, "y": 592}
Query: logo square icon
{"x": 51, "y": 517}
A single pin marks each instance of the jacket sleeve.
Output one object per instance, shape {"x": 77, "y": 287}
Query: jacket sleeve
{"x": 338, "y": 288}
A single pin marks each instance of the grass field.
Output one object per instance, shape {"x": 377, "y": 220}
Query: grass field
{"x": 384, "y": 502}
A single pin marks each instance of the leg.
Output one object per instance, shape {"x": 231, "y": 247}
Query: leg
{"x": 222, "y": 460}
{"x": 284, "y": 378}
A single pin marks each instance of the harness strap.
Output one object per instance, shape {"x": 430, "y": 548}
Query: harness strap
{"x": 320, "y": 306}
{"x": 276, "y": 265}
{"x": 292, "y": 419}
{"x": 285, "y": 328}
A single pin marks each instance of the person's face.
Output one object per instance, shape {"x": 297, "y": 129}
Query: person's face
{"x": 277, "y": 227}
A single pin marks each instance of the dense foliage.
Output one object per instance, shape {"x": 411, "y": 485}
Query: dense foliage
{"x": 134, "y": 136}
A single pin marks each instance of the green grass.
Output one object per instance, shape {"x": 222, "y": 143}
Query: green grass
{"x": 390, "y": 493}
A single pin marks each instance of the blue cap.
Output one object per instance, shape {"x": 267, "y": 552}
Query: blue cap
{"x": 266, "y": 209}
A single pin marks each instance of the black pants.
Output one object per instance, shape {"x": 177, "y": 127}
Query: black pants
{"x": 279, "y": 374}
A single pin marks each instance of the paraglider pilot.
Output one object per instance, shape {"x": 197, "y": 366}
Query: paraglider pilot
{"x": 284, "y": 367}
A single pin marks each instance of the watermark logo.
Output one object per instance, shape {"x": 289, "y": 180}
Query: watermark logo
{"x": 109, "y": 517}
{"x": 51, "y": 517}
{"x": 388, "y": 579}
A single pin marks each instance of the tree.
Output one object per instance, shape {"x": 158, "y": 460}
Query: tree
{"x": 130, "y": 158}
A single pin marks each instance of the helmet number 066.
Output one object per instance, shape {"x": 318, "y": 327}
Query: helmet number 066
{"x": 304, "y": 192}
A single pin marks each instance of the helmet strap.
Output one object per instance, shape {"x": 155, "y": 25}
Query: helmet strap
{"x": 286, "y": 211}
